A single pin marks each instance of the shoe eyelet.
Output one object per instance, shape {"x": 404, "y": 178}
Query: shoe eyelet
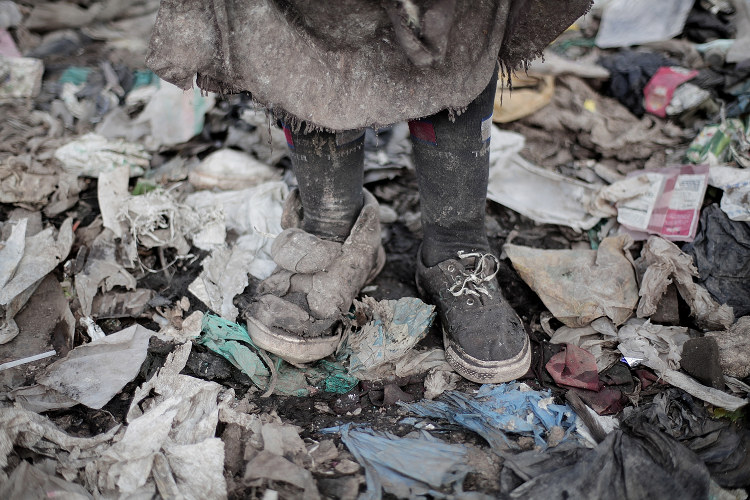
{"x": 470, "y": 301}
{"x": 451, "y": 268}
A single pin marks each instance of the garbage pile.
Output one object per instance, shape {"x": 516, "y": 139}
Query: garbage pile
{"x": 136, "y": 221}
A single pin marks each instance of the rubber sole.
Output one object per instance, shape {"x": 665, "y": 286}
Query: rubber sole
{"x": 290, "y": 347}
{"x": 487, "y": 372}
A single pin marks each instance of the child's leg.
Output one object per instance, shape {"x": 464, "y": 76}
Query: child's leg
{"x": 452, "y": 162}
{"x": 329, "y": 170}
{"x": 324, "y": 259}
{"x": 484, "y": 338}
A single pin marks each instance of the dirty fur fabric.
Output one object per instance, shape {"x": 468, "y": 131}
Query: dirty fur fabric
{"x": 363, "y": 63}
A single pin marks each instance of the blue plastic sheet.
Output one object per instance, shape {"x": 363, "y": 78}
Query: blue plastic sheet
{"x": 499, "y": 409}
{"x": 405, "y": 467}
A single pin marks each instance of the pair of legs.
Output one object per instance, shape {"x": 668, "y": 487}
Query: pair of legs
{"x": 452, "y": 162}
{"x": 299, "y": 305}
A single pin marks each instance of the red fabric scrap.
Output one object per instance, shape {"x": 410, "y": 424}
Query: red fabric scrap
{"x": 574, "y": 367}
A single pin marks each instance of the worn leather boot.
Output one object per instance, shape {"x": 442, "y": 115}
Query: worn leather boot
{"x": 298, "y": 311}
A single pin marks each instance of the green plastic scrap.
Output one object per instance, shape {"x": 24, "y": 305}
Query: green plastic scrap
{"x": 322, "y": 376}
{"x": 75, "y": 75}
{"x": 232, "y": 342}
{"x": 141, "y": 78}
{"x": 720, "y": 143}
{"x": 143, "y": 187}
{"x": 333, "y": 377}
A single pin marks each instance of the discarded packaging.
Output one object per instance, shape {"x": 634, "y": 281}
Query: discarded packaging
{"x": 718, "y": 144}
{"x": 532, "y": 191}
{"x": 574, "y": 367}
{"x": 578, "y": 286}
{"x": 735, "y": 183}
{"x": 175, "y": 116}
{"x": 231, "y": 341}
{"x": 22, "y": 77}
{"x": 659, "y": 347}
{"x": 671, "y": 207}
{"x": 599, "y": 338}
{"x": 660, "y": 89}
{"x": 24, "y": 261}
{"x": 254, "y": 213}
{"x": 90, "y": 374}
{"x": 719, "y": 444}
{"x": 92, "y": 154}
{"x": 645, "y": 465}
{"x": 635, "y": 22}
{"x": 720, "y": 253}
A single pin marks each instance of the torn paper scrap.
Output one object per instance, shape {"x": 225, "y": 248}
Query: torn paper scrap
{"x": 91, "y": 374}
{"x": 578, "y": 286}
{"x": 395, "y": 326}
{"x": 666, "y": 263}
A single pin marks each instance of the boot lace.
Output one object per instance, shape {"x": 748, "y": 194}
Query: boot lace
{"x": 473, "y": 281}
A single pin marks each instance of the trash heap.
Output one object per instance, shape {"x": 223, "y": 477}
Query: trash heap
{"x": 136, "y": 221}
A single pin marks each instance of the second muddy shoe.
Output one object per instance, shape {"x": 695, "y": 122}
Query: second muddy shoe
{"x": 298, "y": 311}
{"x": 484, "y": 338}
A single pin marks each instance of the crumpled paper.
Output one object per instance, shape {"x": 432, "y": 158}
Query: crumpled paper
{"x": 667, "y": 263}
{"x": 396, "y": 326}
{"x": 24, "y": 261}
{"x": 91, "y": 374}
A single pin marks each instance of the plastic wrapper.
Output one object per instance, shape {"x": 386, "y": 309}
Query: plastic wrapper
{"x": 671, "y": 206}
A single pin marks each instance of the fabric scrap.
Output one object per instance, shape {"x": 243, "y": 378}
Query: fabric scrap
{"x": 574, "y": 367}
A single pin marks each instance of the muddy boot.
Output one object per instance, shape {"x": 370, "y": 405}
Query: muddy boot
{"x": 484, "y": 338}
{"x": 299, "y": 308}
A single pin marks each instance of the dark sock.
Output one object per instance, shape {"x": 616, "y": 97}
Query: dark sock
{"x": 329, "y": 170}
{"x": 452, "y": 163}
